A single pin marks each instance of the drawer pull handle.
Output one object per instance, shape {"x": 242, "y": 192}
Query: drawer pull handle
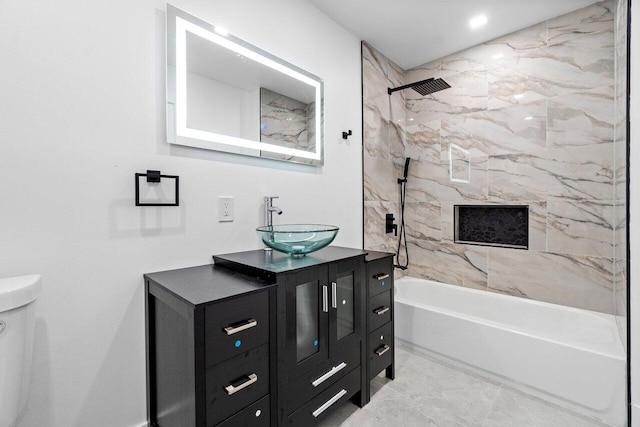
{"x": 249, "y": 323}
{"x": 381, "y": 310}
{"x": 231, "y": 389}
{"x": 382, "y": 349}
{"x": 329, "y": 374}
{"x": 381, "y": 276}
{"x": 328, "y": 403}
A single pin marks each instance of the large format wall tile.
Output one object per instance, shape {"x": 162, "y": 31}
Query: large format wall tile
{"x": 581, "y": 118}
{"x": 423, "y": 141}
{"x": 516, "y": 129}
{"x": 582, "y": 228}
{"x": 395, "y": 74}
{"x": 468, "y": 93}
{"x": 515, "y": 44}
{"x": 460, "y": 265}
{"x": 577, "y": 281}
{"x": 620, "y": 169}
{"x": 592, "y": 19}
{"x": 383, "y": 118}
{"x": 376, "y": 134}
{"x": 581, "y": 173}
{"x": 423, "y": 221}
{"x": 374, "y": 74}
{"x": 423, "y": 72}
{"x": 380, "y": 180}
{"x": 431, "y": 181}
{"x": 508, "y": 84}
{"x": 575, "y": 65}
{"x": 581, "y": 63}
{"x": 374, "y": 226}
{"x": 396, "y": 127}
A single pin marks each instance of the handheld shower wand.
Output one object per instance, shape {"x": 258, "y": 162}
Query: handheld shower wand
{"x": 406, "y": 170}
{"x": 403, "y": 232}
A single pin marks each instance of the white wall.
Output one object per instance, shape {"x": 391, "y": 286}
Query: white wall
{"x": 82, "y": 110}
{"x": 634, "y": 206}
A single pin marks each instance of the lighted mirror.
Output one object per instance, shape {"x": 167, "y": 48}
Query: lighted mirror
{"x": 225, "y": 94}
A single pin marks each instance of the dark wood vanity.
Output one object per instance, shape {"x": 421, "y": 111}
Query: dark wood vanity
{"x": 263, "y": 339}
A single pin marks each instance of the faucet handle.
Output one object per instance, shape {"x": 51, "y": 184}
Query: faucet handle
{"x": 267, "y": 198}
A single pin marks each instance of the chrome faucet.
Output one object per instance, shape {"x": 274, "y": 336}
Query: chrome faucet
{"x": 269, "y": 209}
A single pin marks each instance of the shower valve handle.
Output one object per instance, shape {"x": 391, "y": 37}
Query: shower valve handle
{"x": 389, "y": 224}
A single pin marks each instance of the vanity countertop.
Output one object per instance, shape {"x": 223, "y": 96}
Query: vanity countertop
{"x": 267, "y": 264}
{"x": 244, "y": 272}
{"x": 375, "y": 255}
{"x": 205, "y": 283}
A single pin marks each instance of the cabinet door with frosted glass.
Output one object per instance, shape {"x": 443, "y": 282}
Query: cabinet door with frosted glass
{"x": 307, "y": 319}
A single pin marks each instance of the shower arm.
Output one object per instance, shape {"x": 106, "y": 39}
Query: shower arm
{"x": 390, "y": 91}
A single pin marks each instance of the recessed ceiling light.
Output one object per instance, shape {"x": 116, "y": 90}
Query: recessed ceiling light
{"x": 478, "y": 21}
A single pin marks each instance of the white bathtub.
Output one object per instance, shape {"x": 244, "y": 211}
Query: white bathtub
{"x": 571, "y": 357}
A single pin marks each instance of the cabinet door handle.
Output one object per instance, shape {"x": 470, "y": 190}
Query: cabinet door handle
{"x": 231, "y": 389}
{"x": 381, "y": 310}
{"x": 325, "y": 303}
{"x": 381, "y": 276}
{"x": 328, "y": 403}
{"x": 334, "y": 294}
{"x": 382, "y": 349}
{"x": 234, "y": 329}
{"x": 329, "y": 374}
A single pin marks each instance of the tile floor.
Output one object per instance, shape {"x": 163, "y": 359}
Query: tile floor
{"x": 429, "y": 393}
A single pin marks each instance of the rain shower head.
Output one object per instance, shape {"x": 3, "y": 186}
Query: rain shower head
{"x": 424, "y": 87}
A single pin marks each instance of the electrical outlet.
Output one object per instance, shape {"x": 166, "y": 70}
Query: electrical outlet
{"x": 225, "y": 208}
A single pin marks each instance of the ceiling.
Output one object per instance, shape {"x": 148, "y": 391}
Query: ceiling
{"x": 413, "y": 32}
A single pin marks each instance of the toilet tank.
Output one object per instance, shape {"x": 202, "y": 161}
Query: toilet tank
{"x": 17, "y": 321}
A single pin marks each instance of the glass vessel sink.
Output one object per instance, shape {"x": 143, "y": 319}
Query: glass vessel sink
{"x": 297, "y": 239}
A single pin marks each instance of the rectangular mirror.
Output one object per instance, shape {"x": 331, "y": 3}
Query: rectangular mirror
{"x": 227, "y": 95}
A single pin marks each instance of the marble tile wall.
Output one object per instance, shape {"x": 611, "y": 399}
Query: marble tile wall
{"x": 538, "y": 112}
{"x": 384, "y": 148}
{"x": 620, "y": 162}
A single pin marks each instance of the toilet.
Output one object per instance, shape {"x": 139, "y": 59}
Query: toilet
{"x": 17, "y": 321}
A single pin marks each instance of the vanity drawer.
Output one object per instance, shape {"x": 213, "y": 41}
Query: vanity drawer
{"x": 380, "y": 308}
{"x": 256, "y": 415}
{"x": 380, "y": 349}
{"x": 234, "y": 326}
{"x": 237, "y": 382}
{"x": 380, "y": 276}
{"x": 301, "y": 389}
{"x": 319, "y": 407}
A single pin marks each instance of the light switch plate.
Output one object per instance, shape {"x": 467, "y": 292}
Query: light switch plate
{"x": 225, "y": 209}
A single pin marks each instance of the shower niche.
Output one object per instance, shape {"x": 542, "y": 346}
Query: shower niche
{"x": 505, "y": 226}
